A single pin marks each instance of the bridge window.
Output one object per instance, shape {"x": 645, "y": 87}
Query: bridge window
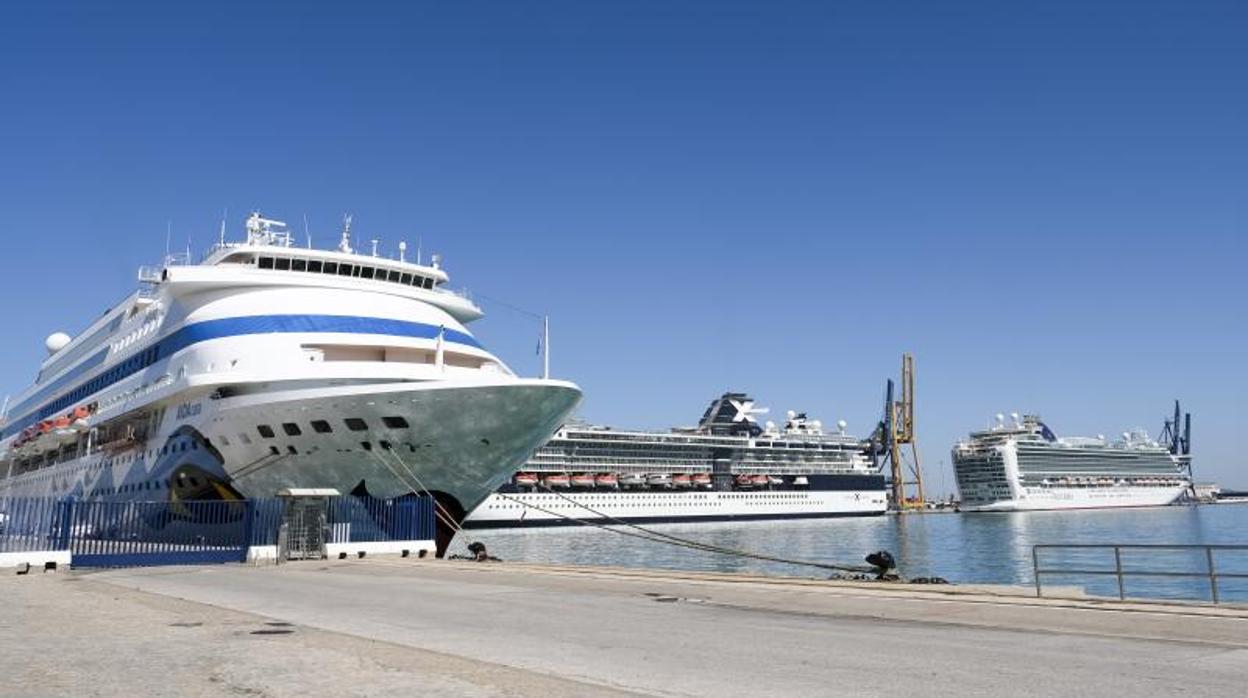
{"x": 266, "y": 263}
{"x": 299, "y": 265}
{"x": 314, "y": 266}
{"x": 282, "y": 264}
{"x": 330, "y": 268}
{"x": 395, "y": 276}
{"x": 265, "y": 430}
{"x": 355, "y": 424}
{"x": 405, "y": 279}
{"x": 345, "y": 269}
{"x": 366, "y": 272}
{"x": 291, "y": 429}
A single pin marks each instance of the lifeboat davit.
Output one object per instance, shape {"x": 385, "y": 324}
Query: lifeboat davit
{"x": 557, "y": 480}
{"x": 682, "y": 480}
{"x": 775, "y": 480}
{"x": 526, "y": 480}
{"x": 702, "y": 479}
{"x": 583, "y": 480}
{"x": 607, "y": 480}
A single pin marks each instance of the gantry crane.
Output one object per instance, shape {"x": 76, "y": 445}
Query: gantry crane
{"x": 895, "y": 431}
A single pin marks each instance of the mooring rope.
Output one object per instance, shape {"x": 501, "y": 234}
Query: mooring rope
{"x": 438, "y": 510}
{"x": 668, "y": 539}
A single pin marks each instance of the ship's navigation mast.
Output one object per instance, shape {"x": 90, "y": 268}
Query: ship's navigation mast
{"x": 897, "y": 431}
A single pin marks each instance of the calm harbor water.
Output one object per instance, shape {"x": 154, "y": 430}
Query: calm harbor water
{"x": 966, "y": 548}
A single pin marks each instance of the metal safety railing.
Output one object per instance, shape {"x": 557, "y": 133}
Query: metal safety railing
{"x": 1121, "y": 573}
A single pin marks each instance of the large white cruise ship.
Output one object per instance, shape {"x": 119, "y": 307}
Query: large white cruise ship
{"x": 727, "y": 468}
{"x": 1023, "y": 465}
{"x": 268, "y": 366}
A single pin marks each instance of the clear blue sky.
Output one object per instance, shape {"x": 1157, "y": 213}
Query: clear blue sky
{"x": 1045, "y": 202}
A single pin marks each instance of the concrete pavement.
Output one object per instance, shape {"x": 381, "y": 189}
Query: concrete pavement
{"x": 483, "y": 629}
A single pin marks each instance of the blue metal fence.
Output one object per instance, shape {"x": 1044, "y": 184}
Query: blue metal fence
{"x": 121, "y": 534}
{"x": 356, "y": 520}
{"x": 28, "y": 524}
{"x": 124, "y": 534}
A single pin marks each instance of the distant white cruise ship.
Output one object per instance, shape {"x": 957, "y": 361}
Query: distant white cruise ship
{"x": 727, "y": 468}
{"x": 267, "y": 366}
{"x": 1024, "y": 466}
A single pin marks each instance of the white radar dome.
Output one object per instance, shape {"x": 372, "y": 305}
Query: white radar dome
{"x": 56, "y": 342}
{"x": 841, "y": 424}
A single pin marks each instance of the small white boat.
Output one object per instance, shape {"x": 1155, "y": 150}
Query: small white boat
{"x": 659, "y": 480}
{"x": 632, "y": 480}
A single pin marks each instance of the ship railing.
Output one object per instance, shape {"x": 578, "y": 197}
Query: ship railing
{"x": 1209, "y": 568}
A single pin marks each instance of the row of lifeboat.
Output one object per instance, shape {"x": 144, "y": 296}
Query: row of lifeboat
{"x": 680, "y": 481}
{"x": 1108, "y": 482}
{"x": 55, "y": 431}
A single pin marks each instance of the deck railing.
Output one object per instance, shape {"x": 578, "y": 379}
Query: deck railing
{"x": 1121, "y": 573}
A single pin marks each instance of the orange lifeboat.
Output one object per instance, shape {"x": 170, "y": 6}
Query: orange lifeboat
{"x": 526, "y": 479}
{"x": 583, "y": 480}
{"x": 607, "y": 480}
{"x": 760, "y": 480}
{"x": 702, "y": 479}
{"x": 557, "y": 480}
{"x": 682, "y": 481}
{"x": 80, "y": 412}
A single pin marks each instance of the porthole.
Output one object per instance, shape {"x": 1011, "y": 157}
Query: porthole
{"x": 394, "y": 422}
{"x": 355, "y": 424}
{"x": 321, "y": 426}
{"x": 291, "y": 429}
{"x": 265, "y": 430}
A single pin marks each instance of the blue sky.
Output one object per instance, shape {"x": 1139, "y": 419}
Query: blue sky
{"x": 1045, "y": 202}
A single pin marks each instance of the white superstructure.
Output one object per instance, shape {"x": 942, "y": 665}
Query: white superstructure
{"x": 726, "y": 468}
{"x": 267, "y": 365}
{"x": 1022, "y": 465}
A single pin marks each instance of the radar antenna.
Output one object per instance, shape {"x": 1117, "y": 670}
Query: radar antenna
{"x": 345, "y": 244}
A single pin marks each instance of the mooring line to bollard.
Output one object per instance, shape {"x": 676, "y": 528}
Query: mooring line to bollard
{"x": 668, "y": 539}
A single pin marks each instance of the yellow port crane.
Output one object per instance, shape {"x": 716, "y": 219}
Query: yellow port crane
{"x": 895, "y": 431}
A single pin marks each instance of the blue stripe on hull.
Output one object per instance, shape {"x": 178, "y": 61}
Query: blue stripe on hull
{"x": 546, "y": 523}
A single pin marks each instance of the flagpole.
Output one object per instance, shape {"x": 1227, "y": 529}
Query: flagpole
{"x": 545, "y": 347}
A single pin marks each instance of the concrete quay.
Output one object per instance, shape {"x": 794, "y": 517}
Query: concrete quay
{"x": 368, "y": 627}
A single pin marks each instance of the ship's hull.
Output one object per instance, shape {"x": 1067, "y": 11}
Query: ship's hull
{"x": 1058, "y": 498}
{"x": 852, "y": 496}
{"x": 459, "y": 439}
